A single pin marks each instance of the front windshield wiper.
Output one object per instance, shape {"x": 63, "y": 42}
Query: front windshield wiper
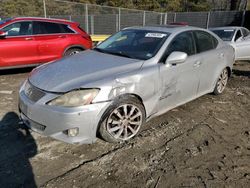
{"x": 119, "y": 53}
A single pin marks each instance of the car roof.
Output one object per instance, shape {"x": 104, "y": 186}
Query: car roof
{"x": 166, "y": 28}
{"x": 43, "y": 19}
{"x": 226, "y": 27}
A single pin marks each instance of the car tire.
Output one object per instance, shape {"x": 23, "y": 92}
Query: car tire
{"x": 72, "y": 51}
{"x": 221, "y": 82}
{"x": 122, "y": 120}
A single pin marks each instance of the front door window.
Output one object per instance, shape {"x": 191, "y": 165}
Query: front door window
{"x": 18, "y": 29}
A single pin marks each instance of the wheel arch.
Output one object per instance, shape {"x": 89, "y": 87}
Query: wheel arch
{"x": 74, "y": 46}
{"x": 120, "y": 97}
{"x": 134, "y": 96}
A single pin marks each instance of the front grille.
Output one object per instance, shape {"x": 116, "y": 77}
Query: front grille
{"x": 32, "y": 92}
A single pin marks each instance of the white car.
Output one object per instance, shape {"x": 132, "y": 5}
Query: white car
{"x": 111, "y": 90}
{"x": 238, "y": 37}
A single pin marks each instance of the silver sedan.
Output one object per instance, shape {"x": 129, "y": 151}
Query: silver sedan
{"x": 238, "y": 38}
{"x": 136, "y": 74}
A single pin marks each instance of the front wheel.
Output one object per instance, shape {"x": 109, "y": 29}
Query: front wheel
{"x": 222, "y": 82}
{"x": 72, "y": 51}
{"x": 123, "y": 120}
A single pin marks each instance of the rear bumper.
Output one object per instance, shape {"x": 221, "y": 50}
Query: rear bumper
{"x": 53, "y": 121}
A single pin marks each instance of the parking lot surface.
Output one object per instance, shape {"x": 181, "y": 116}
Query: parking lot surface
{"x": 204, "y": 143}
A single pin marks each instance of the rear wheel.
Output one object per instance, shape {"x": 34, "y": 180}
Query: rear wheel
{"x": 123, "y": 120}
{"x": 72, "y": 51}
{"x": 222, "y": 82}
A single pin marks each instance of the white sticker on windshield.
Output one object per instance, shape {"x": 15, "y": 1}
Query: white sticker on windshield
{"x": 149, "y": 55}
{"x": 155, "y": 35}
{"x": 228, "y": 30}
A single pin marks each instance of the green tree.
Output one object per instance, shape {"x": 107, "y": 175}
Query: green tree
{"x": 21, "y": 8}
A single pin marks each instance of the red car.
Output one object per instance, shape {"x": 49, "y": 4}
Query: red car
{"x": 32, "y": 41}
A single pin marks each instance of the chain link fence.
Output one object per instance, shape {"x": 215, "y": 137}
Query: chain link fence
{"x": 96, "y": 19}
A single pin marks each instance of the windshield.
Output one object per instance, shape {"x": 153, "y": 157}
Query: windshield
{"x": 225, "y": 34}
{"x": 136, "y": 44}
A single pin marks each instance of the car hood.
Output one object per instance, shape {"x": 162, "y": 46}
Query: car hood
{"x": 79, "y": 70}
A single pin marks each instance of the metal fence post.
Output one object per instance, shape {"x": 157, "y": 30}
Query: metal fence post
{"x": 116, "y": 22}
{"x": 175, "y": 17}
{"x": 44, "y": 9}
{"x": 92, "y": 25}
{"x": 243, "y": 18}
{"x": 208, "y": 19}
{"x": 161, "y": 19}
{"x": 166, "y": 19}
{"x": 86, "y": 18}
{"x": 144, "y": 18}
{"x": 119, "y": 19}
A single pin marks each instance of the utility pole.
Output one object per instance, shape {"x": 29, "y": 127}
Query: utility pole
{"x": 44, "y": 9}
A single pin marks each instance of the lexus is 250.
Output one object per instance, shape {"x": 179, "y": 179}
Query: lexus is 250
{"x": 136, "y": 74}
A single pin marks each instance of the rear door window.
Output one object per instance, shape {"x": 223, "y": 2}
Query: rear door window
{"x": 50, "y": 28}
{"x": 205, "y": 41}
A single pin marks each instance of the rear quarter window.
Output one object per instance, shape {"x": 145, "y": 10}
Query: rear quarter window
{"x": 66, "y": 29}
{"x": 79, "y": 27}
{"x": 245, "y": 32}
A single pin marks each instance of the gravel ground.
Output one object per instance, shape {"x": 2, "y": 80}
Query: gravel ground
{"x": 205, "y": 143}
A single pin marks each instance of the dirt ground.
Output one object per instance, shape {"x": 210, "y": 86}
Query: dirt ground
{"x": 205, "y": 143}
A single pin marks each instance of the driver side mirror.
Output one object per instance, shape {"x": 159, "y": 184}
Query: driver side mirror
{"x": 2, "y": 34}
{"x": 176, "y": 58}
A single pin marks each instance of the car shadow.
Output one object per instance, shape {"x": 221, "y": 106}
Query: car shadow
{"x": 241, "y": 73}
{"x": 17, "y": 146}
{"x": 16, "y": 71}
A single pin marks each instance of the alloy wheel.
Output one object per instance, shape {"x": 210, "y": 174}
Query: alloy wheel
{"x": 222, "y": 82}
{"x": 74, "y": 52}
{"x": 124, "y": 122}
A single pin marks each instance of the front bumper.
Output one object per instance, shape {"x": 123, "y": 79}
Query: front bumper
{"x": 53, "y": 121}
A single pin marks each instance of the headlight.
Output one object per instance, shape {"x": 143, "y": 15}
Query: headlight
{"x": 75, "y": 98}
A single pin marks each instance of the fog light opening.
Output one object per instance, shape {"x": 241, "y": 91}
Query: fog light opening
{"x": 72, "y": 132}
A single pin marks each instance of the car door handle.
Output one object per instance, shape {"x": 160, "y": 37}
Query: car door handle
{"x": 28, "y": 38}
{"x": 197, "y": 63}
{"x": 62, "y": 36}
